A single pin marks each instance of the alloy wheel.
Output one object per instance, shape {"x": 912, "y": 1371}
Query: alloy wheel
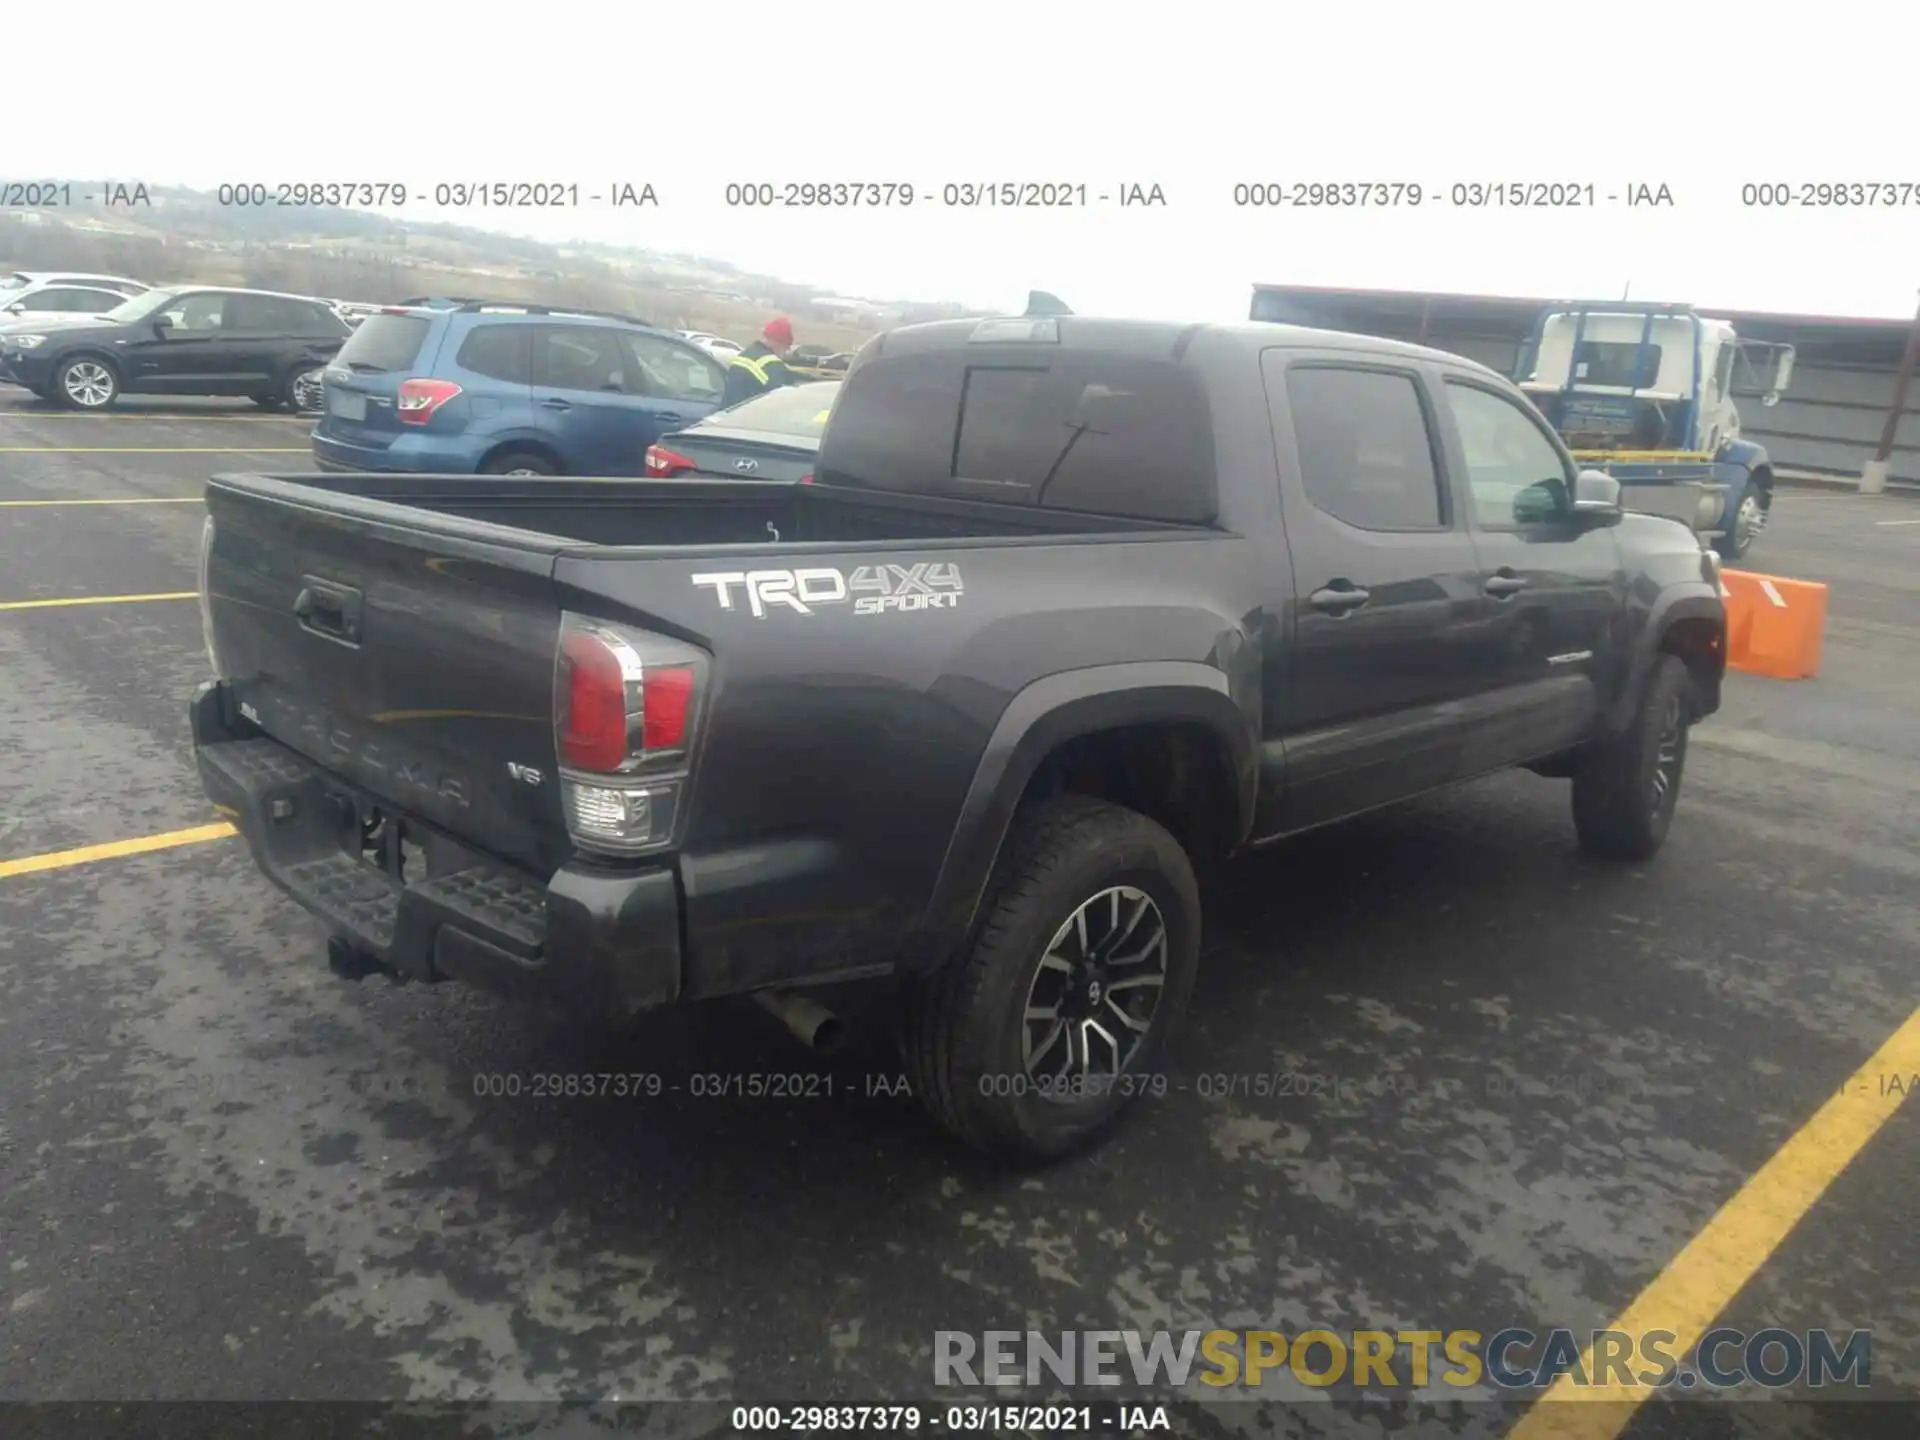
{"x": 1666, "y": 760}
{"x": 88, "y": 384}
{"x": 308, "y": 391}
{"x": 1097, "y": 989}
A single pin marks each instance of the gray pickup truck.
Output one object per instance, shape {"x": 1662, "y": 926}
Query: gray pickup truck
{"x": 1067, "y": 609}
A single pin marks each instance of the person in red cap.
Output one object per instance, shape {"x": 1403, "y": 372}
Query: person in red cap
{"x": 762, "y": 366}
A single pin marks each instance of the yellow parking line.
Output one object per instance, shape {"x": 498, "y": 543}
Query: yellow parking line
{"x": 38, "y": 415}
{"x": 95, "y": 600}
{"x": 153, "y": 449}
{"x": 1716, "y": 1265}
{"x": 113, "y": 850}
{"x": 141, "y": 500}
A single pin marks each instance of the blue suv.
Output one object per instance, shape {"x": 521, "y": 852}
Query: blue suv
{"x": 501, "y": 389}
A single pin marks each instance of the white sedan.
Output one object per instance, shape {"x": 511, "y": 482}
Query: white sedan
{"x": 712, "y": 344}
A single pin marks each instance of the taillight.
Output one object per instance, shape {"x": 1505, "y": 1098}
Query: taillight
{"x": 593, "y": 731}
{"x": 664, "y": 464}
{"x": 666, "y": 696}
{"x": 420, "y": 398}
{"x": 806, "y": 479}
{"x": 626, "y": 708}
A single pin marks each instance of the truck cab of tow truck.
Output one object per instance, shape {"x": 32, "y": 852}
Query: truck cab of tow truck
{"x": 1646, "y": 393}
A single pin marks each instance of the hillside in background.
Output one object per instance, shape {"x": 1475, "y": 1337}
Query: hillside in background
{"x": 186, "y": 237}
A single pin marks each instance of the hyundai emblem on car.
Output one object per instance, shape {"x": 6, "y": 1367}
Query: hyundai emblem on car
{"x": 746, "y": 464}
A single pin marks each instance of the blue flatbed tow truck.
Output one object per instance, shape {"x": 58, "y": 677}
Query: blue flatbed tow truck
{"x": 1645, "y": 393}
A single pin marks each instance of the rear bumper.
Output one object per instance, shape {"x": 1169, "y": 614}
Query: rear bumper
{"x": 413, "y": 454}
{"x": 599, "y": 942}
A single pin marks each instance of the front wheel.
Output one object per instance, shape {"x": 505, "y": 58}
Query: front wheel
{"x": 1749, "y": 519}
{"x": 1035, "y": 1039}
{"x": 1625, "y": 789}
{"x": 85, "y": 383}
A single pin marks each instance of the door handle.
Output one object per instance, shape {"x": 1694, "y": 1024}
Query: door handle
{"x": 1338, "y": 598}
{"x": 555, "y": 405}
{"x": 328, "y": 609}
{"x": 1501, "y": 586}
{"x": 668, "y": 419}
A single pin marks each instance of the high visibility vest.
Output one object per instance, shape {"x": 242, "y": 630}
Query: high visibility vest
{"x": 757, "y": 368}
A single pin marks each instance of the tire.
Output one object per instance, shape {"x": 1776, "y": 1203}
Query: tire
{"x": 267, "y": 402}
{"x": 519, "y": 462}
{"x": 1750, "y": 518}
{"x": 86, "y": 382}
{"x": 301, "y": 394}
{"x": 965, "y": 1029}
{"x": 1625, "y": 790}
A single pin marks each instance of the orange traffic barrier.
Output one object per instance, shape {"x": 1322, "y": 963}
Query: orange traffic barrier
{"x": 1774, "y": 625}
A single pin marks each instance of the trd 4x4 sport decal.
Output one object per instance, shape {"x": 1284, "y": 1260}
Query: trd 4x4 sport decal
{"x": 873, "y": 589}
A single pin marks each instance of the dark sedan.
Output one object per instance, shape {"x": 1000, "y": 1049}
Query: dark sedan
{"x": 774, "y": 436}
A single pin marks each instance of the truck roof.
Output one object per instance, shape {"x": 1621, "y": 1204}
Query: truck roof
{"x": 1160, "y": 338}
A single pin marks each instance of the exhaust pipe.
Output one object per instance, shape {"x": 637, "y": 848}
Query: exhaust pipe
{"x": 815, "y": 1026}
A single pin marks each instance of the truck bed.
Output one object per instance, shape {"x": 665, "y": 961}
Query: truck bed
{"x": 672, "y": 514}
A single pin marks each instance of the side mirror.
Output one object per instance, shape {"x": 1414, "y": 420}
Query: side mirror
{"x": 1782, "y": 377}
{"x": 161, "y": 324}
{"x": 1596, "y": 497}
{"x": 1539, "y": 503}
{"x": 18, "y": 307}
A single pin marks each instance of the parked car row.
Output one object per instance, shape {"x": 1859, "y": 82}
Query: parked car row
{"x": 499, "y": 389}
{"x": 434, "y": 384}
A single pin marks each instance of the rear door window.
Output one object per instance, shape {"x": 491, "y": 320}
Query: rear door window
{"x": 265, "y": 315}
{"x": 1365, "y": 447}
{"x": 59, "y": 299}
{"x": 500, "y": 352}
{"x": 385, "y": 342}
{"x": 1086, "y": 431}
{"x": 93, "y": 302}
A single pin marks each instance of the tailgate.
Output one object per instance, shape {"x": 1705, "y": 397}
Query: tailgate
{"x": 409, "y": 653}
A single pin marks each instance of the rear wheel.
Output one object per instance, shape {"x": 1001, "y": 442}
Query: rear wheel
{"x": 303, "y": 392}
{"x": 1625, "y": 789}
{"x": 519, "y": 462}
{"x": 86, "y": 383}
{"x": 1035, "y": 1039}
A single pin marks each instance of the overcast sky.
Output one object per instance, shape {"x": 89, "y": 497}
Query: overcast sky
{"x": 1194, "y": 97}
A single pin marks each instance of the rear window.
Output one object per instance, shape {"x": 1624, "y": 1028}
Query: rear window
{"x": 385, "y": 342}
{"x": 787, "y": 410}
{"x": 1616, "y": 362}
{"x": 1109, "y": 434}
{"x": 500, "y": 352}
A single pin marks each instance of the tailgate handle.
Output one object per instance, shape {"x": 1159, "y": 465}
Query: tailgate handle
{"x": 328, "y": 609}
